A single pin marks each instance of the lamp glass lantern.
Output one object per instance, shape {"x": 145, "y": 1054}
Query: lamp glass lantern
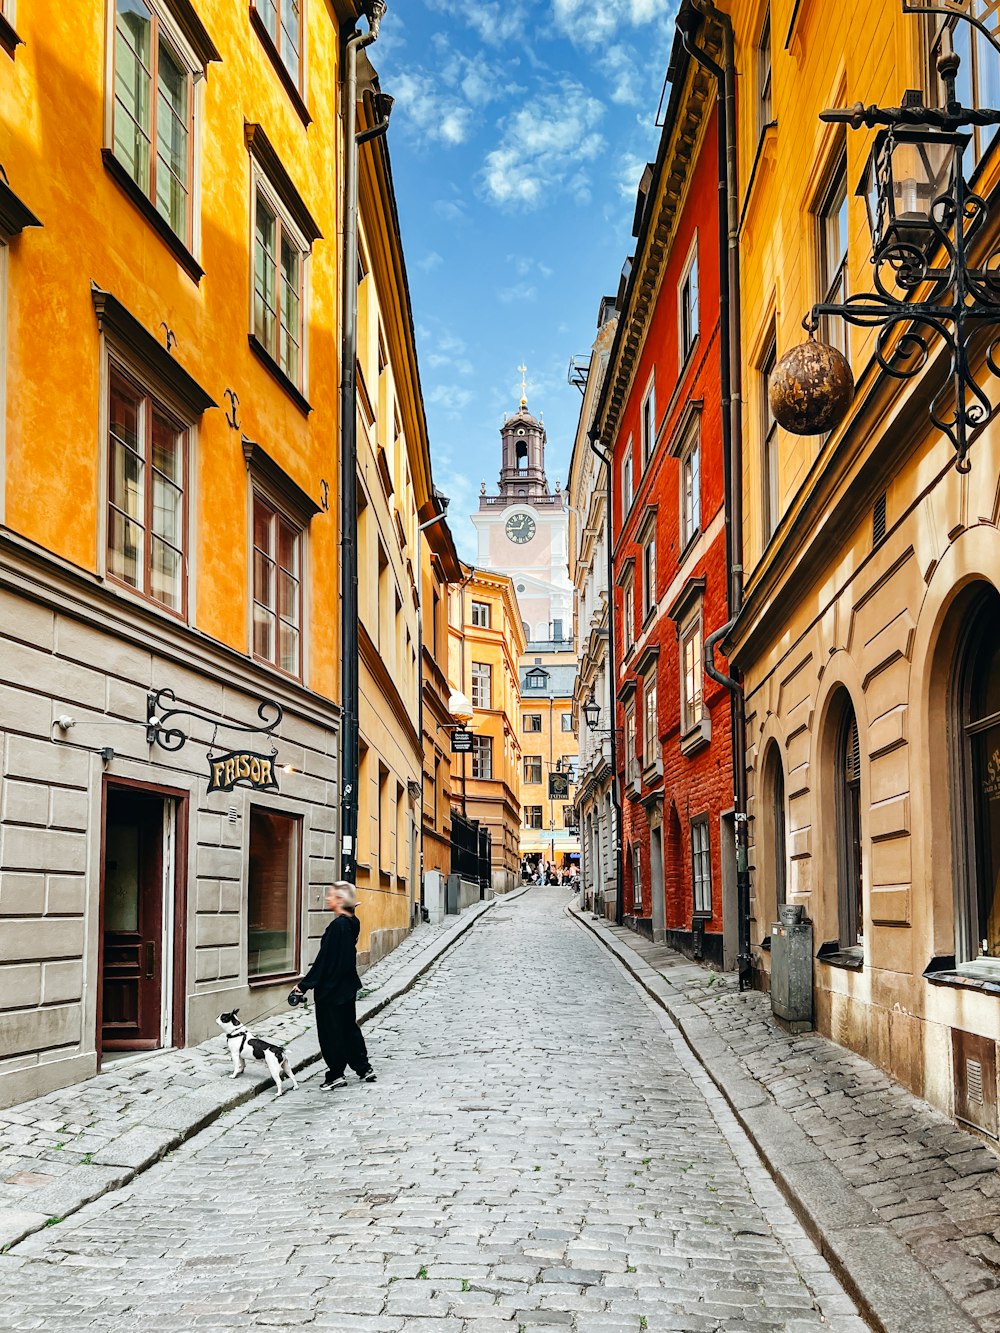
{"x": 907, "y": 182}
{"x": 592, "y": 712}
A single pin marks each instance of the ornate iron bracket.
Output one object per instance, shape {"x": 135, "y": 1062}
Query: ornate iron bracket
{"x": 161, "y": 730}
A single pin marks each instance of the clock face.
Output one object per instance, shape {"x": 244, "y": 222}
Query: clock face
{"x": 520, "y": 528}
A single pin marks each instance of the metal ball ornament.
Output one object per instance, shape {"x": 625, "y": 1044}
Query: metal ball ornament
{"x": 810, "y": 388}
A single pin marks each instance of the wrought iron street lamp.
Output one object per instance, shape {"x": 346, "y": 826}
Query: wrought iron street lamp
{"x": 591, "y": 712}
{"x": 935, "y": 272}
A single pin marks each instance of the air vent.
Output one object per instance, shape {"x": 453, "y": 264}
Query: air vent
{"x": 974, "y": 1061}
{"x": 878, "y": 520}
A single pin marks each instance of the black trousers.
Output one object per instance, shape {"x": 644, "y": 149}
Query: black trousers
{"x": 340, "y": 1038}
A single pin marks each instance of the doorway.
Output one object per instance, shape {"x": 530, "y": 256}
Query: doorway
{"x": 656, "y": 885}
{"x": 141, "y": 942}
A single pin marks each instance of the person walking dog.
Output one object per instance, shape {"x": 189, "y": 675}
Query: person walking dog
{"x": 334, "y": 979}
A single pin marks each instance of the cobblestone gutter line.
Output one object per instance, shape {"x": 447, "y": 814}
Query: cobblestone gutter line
{"x": 67, "y": 1148}
{"x": 897, "y": 1290}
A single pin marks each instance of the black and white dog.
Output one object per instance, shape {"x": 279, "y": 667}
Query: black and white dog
{"x": 241, "y": 1042}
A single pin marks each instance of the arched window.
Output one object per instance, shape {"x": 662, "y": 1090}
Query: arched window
{"x": 979, "y": 701}
{"x": 849, "y": 830}
{"x": 779, "y": 828}
{"x": 522, "y": 456}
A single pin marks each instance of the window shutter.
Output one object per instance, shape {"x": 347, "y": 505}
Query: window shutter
{"x": 853, "y": 754}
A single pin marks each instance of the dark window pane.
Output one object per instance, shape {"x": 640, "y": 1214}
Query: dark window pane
{"x": 272, "y": 895}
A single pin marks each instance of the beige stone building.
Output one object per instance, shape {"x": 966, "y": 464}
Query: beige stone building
{"x": 869, "y": 639}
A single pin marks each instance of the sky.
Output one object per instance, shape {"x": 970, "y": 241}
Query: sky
{"x": 518, "y": 136}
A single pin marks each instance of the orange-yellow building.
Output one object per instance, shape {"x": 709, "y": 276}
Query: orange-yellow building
{"x": 486, "y": 642}
{"x": 170, "y": 239}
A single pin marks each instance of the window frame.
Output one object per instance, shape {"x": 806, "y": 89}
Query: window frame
{"x": 482, "y": 622}
{"x": 531, "y": 814}
{"x": 531, "y": 717}
{"x": 688, "y": 305}
{"x": 297, "y": 824}
{"x": 701, "y": 868}
{"x": 692, "y": 629}
{"x": 649, "y": 599}
{"x": 279, "y": 515}
{"x": 151, "y": 399}
{"x": 482, "y": 674}
{"x": 482, "y": 746}
{"x": 765, "y": 71}
{"x": 566, "y": 722}
{"x": 850, "y": 850}
{"x": 293, "y": 82}
{"x": 632, "y": 770}
{"x": 262, "y": 186}
{"x": 831, "y": 281}
{"x": 531, "y": 763}
{"x": 689, "y": 473}
{"x": 650, "y": 722}
{"x": 628, "y": 492}
{"x": 971, "y": 46}
{"x": 647, "y": 422}
{"x": 628, "y": 617}
{"x": 636, "y": 876}
{"x": 769, "y": 458}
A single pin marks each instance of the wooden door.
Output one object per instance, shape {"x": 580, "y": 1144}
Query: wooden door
{"x": 132, "y": 944}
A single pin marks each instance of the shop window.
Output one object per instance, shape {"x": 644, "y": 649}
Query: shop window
{"x": 849, "y": 876}
{"x": 532, "y": 768}
{"x": 637, "y": 879}
{"x": 779, "y": 827}
{"x": 980, "y": 729}
{"x": 701, "y": 868}
{"x": 273, "y": 895}
{"x": 277, "y": 588}
{"x": 147, "y": 471}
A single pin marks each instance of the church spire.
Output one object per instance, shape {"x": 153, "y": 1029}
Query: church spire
{"x": 524, "y": 386}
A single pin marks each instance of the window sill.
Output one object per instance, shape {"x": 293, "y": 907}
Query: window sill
{"x": 280, "y": 68}
{"x": 269, "y": 364}
{"x": 688, "y": 357}
{"x": 650, "y": 617}
{"x": 273, "y": 666}
{"x": 162, "y": 228}
{"x": 981, "y": 974}
{"x": 848, "y": 960}
{"x": 279, "y": 979}
{"x": 133, "y": 594}
{"x": 697, "y": 738}
{"x": 688, "y": 546}
{"x": 9, "y": 39}
{"x": 652, "y": 771}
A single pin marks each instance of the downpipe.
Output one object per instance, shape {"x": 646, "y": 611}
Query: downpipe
{"x": 349, "y": 738}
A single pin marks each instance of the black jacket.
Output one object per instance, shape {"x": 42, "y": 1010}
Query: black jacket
{"x": 334, "y": 974}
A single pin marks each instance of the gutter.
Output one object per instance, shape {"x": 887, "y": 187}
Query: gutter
{"x": 349, "y": 757}
{"x": 730, "y": 375}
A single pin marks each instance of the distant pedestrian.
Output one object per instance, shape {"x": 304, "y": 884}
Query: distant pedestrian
{"x": 334, "y": 978}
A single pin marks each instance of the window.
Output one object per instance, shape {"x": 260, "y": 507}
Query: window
{"x": 531, "y": 722}
{"x": 769, "y": 443}
{"x": 631, "y": 751}
{"x": 978, "y": 82}
{"x": 152, "y": 127}
{"x": 979, "y": 739}
{"x": 692, "y": 676}
{"x": 482, "y": 756}
{"x": 649, "y": 575}
{"x": 482, "y": 685}
{"x": 532, "y": 768}
{"x": 701, "y": 868}
{"x": 147, "y": 522}
{"x": 627, "y": 479}
{"x": 849, "y": 831}
{"x": 690, "y": 456}
{"x": 648, "y": 424}
{"x": 628, "y": 618}
{"x": 569, "y": 818}
{"x": 536, "y": 680}
{"x": 557, "y": 631}
{"x": 779, "y": 828}
{"x": 567, "y": 722}
{"x": 277, "y": 588}
{"x": 637, "y": 877}
{"x": 282, "y": 21}
{"x": 385, "y": 821}
{"x": 533, "y": 816}
{"x": 650, "y": 728}
{"x": 831, "y": 224}
{"x": 278, "y": 285}
{"x": 272, "y": 895}
{"x": 764, "y": 112}
{"x": 687, "y": 304}
{"x": 481, "y": 614}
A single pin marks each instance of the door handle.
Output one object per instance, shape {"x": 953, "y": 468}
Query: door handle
{"x": 150, "y": 958}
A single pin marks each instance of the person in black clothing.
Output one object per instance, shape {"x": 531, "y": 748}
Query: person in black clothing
{"x": 334, "y": 978}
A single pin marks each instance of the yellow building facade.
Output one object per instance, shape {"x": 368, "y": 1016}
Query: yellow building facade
{"x": 486, "y": 643}
{"x": 170, "y": 239}
{"x": 549, "y": 752}
{"x": 867, "y": 637}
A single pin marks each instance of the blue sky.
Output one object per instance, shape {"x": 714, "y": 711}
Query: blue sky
{"x": 518, "y": 137}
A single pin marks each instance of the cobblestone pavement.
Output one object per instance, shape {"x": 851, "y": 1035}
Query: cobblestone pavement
{"x": 73, "y": 1143}
{"x": 541, "y": 1152}
{"x": 936, "y": 1185}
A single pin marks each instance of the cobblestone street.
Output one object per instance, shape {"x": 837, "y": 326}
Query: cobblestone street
{"x": 521, "y": 1164}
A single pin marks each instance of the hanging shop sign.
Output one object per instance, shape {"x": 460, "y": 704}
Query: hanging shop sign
{"x": 243, "y": 768}
{"x": 461, "y": 741}
{"x": 558, "y": 786}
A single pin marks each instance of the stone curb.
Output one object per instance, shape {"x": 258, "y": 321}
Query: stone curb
{"x": 894, "y": 1292}
{"x": 139, "y": 1149}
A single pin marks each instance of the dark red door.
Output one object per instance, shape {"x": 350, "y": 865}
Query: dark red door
{"x": 133, "y": 921}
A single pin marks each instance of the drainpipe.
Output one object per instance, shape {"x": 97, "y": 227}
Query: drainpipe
{"x": 374, "y": 12}
{"x": 616, "y": 798}
{"x": 730, "y": 374}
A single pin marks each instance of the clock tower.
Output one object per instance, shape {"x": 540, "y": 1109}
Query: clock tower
{"x": 523, "y": 529}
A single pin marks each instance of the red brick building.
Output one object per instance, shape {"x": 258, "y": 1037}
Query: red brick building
{"x": 660, "y": 417}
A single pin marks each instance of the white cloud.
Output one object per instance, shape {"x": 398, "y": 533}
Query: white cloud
{"x": 520, "y": 293}
{"x": 544, "y": 144}
{"x": 445, "y": 349}
{"x": 525, "y": 264}
{"x": 450, "y": 398}
{"x": 430, "y": 261}
{"x": 590, "y": 25}
{"x": 450, "y": 210}
{"x": 629, "y": 170}
{"x": 623, "y": 76}
{"x": 495, "y": 22}
{"x": 434, "y": 116}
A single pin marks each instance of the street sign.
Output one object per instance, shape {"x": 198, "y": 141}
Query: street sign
{"x": 461, "y": 741}
{"x": 558, "y": 786}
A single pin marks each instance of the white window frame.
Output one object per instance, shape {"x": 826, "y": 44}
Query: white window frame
{"x": 832, "y": 282}
{"x": 692, "y": 674}
{"x": 529, "y": 819}
{"x": 482, "y": 685}
{"x": 765, "y": 71}
{"x": 689, "y": 454}
{"x": 531, "y": 759}
{"x": 688, "y": 304}
{"x": 648, "y": 422}
{"x": 259, "y": 182}
{"x": 701, "y": 867}
{"x": 631, "y": 748}
{"x": 483, "y": 622}
{"x": 650, "y": 723}
{"x": 628, "y": 494}
{"x": 769, "y": 458}
{"x": 636, "y": 875}
{"x": 482, "y": 745}
{"x": 649, "y": 574}
{"x": 628, "y": 616}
